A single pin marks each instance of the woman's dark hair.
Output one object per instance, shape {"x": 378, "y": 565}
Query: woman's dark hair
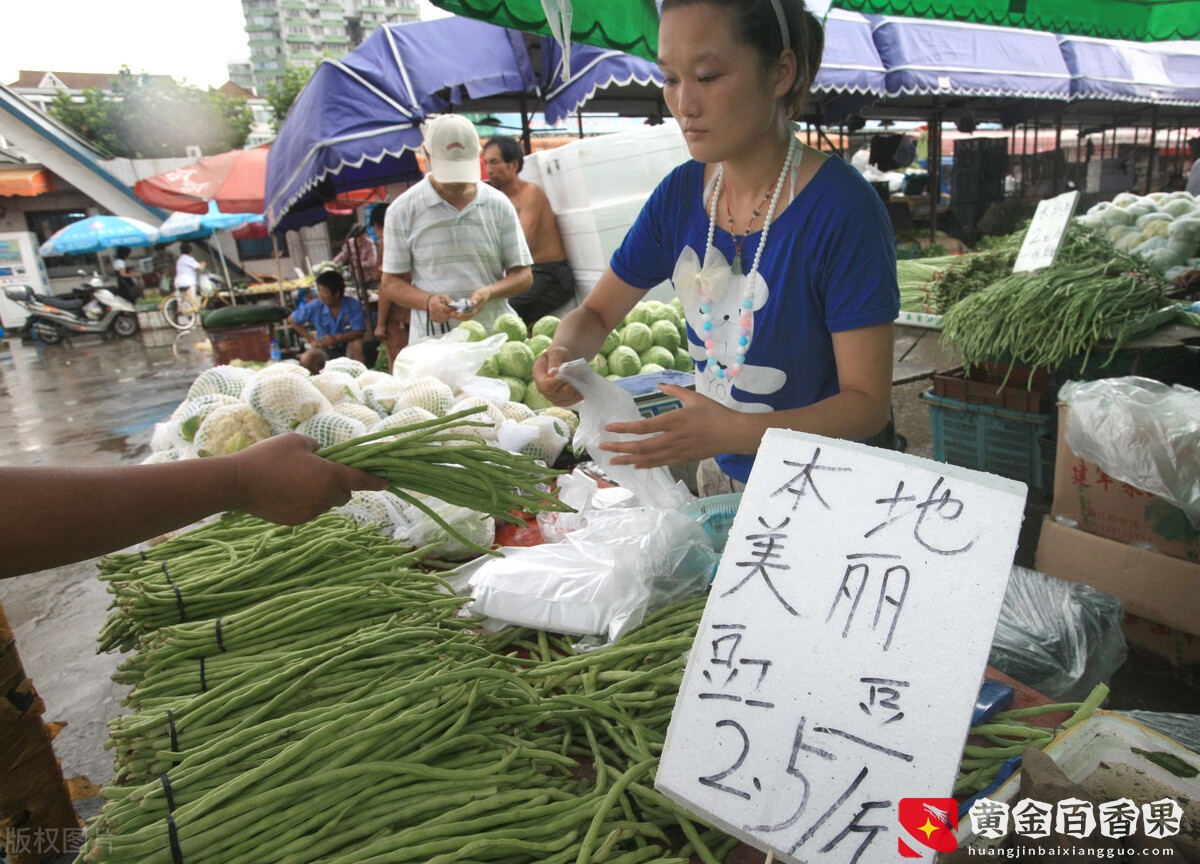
{"x": 757, "y": 25}
{"x": 123, "y": 251}
{"x": 185, "y": 248}
{"x": 510, "y": 149}
{"x": 332, "y": 280}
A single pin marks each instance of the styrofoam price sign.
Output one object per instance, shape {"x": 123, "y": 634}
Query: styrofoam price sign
{"x": 841, "y": 651}
{"x": 1046, "y": 232}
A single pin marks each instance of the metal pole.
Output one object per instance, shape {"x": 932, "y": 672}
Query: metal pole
{"x": 225, "y": 269}
{"x": 1056, "y": 174}
{"x": 1150, "y": 164}
{"x": 935, "y": 168}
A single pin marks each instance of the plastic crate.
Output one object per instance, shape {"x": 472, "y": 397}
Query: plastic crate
{"x": 986, "y": 386}
{"x": 990, "y": 439}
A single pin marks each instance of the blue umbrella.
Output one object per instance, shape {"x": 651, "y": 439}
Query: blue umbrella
{"x": 192, "y": 226}
{"x": 97, "y": 233}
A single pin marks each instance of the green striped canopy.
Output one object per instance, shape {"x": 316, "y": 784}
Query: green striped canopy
{"x": 628, "y": 25}
{"x": 1135, "y": 20}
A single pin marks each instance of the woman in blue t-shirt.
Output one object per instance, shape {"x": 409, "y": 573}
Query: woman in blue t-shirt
{"x": 782, "y": 256}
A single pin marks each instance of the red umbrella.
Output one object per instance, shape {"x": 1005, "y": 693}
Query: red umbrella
{"x": 236, "y": 180}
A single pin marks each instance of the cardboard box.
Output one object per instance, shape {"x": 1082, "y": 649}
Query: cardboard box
{"x": 1109, "y": 508}
{"x": 1182, "y": 649}
{"x": 1149, "y": 585}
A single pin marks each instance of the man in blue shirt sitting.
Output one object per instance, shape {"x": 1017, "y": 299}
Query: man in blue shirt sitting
{"x": 337, "y": 319}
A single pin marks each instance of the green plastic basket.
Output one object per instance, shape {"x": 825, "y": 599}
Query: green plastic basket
{"x": 990, "y": 439}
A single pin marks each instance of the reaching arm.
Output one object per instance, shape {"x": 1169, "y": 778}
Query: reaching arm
{"x": 50, "y": 516}
{"x": 581, "y": 333}
{"x": 703, "y": 428}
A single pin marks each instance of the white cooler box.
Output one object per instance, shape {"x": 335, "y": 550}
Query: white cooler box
{"x": 607, "y": 168}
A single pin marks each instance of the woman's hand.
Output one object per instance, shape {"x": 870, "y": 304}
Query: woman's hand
{"x": 282, "y": 480}
{"x": 700, "y": 429}
{"x": 545, "y": 369}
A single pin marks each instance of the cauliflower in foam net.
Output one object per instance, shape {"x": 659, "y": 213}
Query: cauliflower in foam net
{"x": 552, "y": 436}
{"x": 167, "y": 436}
{"x": 428, "y": 392}
{"x": 191, "y": 413}
{"x": 516, "y": 411}
{"x": 383, "y": 396}
{"x": 362, "y": 413}
{"x": 285, "y": 401}
{"x": 225, "y": 380}
{"x": 230, "y": 428}
{"x": 403, "y": 417}
{"x": 331, "y": 428}
{"x": 353, "y": 368}
{"x": 287, "y": 367}
{"x": 337, "y": 386}
{"x": 491, "y": 415}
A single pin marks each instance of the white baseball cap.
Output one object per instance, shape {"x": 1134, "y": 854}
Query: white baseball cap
{"x": 453, "y": 148}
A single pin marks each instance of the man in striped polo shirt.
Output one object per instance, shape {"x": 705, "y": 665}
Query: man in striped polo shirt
{"x": 453, "y": 246}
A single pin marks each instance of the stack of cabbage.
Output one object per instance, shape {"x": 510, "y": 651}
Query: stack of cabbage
{"x": 228, "y": 408}
{"x": 1163, "y": 227}
{"x": 652, "y": 338}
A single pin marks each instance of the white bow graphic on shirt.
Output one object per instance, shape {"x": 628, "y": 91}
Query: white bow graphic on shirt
{"x": 695, "y": 284}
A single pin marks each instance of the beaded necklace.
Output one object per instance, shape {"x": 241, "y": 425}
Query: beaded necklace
{"x": 740, "y": 239}
{"x": 746, "y": 321}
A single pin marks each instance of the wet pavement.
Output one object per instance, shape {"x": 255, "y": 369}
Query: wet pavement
{"x": 95, "y": 402}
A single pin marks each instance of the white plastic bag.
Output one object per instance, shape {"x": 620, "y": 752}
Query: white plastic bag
{"x": 450, "y": 358}
{"x": 579, "y": 491}
{"x": 1141, "y": 432}
{"x": 605, "y": 402}
{"x": 417, "y": 529}
{"x": 600, "y": 580}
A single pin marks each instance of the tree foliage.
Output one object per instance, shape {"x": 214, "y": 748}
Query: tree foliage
{"x": 280, "y": 94}
{"x": 146, "y": 118}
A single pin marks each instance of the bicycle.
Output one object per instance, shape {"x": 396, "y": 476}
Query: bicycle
{"x": 180, "y": 308}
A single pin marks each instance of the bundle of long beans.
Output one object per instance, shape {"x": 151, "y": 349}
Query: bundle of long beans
{"x": 238, "y": 561}
{"x": 1008, "y": 733}
{"x": 436, "y": 458}
{"x": 1092, "y": 294}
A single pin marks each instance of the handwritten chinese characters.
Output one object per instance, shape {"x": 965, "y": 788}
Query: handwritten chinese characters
{"x": 842, "y": 647}
{"x": 1046, "y": 231}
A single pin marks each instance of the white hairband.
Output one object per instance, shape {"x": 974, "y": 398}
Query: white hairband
{"x": 783, "y": 27}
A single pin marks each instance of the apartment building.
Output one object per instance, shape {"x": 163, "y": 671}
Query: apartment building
{"x": 302, "y": 32}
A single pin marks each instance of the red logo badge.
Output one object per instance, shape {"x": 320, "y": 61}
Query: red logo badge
{"x": 931, "y": 821}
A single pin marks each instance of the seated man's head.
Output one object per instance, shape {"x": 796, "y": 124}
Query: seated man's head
{"x": 330, "y": 287}
{"x": 452, "y": 145}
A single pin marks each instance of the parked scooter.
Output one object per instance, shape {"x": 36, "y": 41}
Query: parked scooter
{"x": 93, "y": 308}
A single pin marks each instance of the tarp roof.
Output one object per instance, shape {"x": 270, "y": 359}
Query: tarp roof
{"x": 1153, "y": 73}
{"x": 1136, "y": 20}
{"x": 945, "y": 57}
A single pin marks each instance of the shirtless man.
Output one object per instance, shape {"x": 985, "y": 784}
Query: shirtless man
{"x": 553, "y": 281}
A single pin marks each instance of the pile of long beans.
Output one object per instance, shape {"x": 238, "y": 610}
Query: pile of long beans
{"x": 407, "y": 739}
{"x": 1008, "y": 733}
{"x": 1091, "y": 295}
